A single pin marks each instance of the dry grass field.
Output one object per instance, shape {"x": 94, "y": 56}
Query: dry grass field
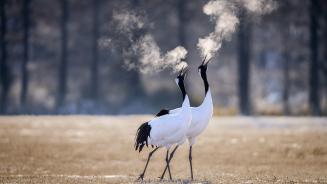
{"x": 99, "y": 149}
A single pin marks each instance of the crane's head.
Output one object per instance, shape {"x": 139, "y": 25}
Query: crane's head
{"x": 181, "y": 76}
{"x": 180, "y": 81}
{"x": 202, "y": 69}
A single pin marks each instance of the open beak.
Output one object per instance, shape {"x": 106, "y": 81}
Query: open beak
{"x": 205, "y": 62}
{"x": 183, "y": 71}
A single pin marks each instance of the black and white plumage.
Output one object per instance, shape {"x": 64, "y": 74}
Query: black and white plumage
{"x": 162, "y": 112}
{"x": 142, "y": 134}
{"x": 201, "y": 115}
{"x": 166, "y": 129}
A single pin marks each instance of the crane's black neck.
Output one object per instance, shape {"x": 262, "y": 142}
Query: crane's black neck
{"x": 182, "y": 87}
{"x": 205, "y": 81}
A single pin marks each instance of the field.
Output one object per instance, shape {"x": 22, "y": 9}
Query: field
{"x": 99, "y": 149}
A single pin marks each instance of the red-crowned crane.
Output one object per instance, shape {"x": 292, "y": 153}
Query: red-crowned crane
{"x": 165, "y": 130}
{"x": 201, "y": 115}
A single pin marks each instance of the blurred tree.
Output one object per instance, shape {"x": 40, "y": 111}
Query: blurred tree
{"x": 324, "y": 60}
{"x": 24, "y": 69}
{"x": 62, "y": 73}
{"x": 133, "y": 76}
{"x": 284, "y": 17}
{"x": 182, "y": 23}
{"x": 95, "y": 52}
{"x": 314, "y": 51}
{"x": 286, "y": 86}
{"x": 244, "y": 51}
{"x": 4, "y": 67}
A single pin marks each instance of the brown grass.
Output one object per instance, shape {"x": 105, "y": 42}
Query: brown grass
{"x": 86, "y": 149}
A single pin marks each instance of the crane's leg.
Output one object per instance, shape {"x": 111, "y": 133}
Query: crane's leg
{"x": 147, "y": 162}
{"x": 170, "y": 157}
{"x": 190, "y": 159}
{"x": 167, "y": 162}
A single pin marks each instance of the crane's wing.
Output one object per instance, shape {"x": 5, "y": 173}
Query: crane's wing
{"x": 141, "y": 138}
{"x": 173, "y": 111}
{"x": 166, "y": 111}
{"x": 164, "y": 126}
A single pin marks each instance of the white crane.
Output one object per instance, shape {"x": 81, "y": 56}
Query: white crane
{"x": 165, "y": 130}
{"x": 201, "y": 115}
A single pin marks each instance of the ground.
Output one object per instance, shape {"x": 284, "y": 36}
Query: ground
{"x": 99, "y": 149}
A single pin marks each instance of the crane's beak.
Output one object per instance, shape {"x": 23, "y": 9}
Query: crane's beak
{"x": 205, "y": 61}
{"x": 182, "y": 72}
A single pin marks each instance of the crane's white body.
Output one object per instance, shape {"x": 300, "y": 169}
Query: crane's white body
{"x": 171, "y": 129}
{"x": 201, "y": 116}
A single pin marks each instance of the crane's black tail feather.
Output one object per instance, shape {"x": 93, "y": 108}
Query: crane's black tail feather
{"x": 142, "y": 134}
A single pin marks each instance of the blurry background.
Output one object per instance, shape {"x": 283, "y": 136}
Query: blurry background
{"x": 54, "y": 59}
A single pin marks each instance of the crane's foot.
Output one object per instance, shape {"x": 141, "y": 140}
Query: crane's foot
{"x": 140, "y": 178}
